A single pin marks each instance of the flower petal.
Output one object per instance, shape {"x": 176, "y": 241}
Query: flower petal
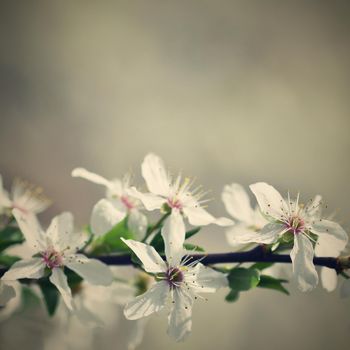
{"x": 241, "y": 234}
{"x": 31, "y": 230}
{"x": 60, "y": 230}
{"x": 27, "y": 268}
{"x": 313, "y": 209}
{"x": 197, "y": 216}
{"x": 209, "y": 280}
{"x": 345, "y": 289}
{"x": 329, "y": 279}
{"x": 7, "y": 292}
{"x": 237, "y": 203}
{"x": 155, "y": 175}
{"x": 92, "y": 270}
{"x": 88, "y": 175}
{"x": 59, "y": 279}
{"x": 137, "y": 223}
{"x": 269, "y": 199}
{"x": 136, "y": 334}
{"x": 332, "y": 239}
{"x": 303, "y": 267}
{"x": 149, "y": 257}
{"x": 180, "y": 317}
{"x": 149, "y": 200}
{"x": 152, "y": 301}
{"x": 173, "y": 233}
{"x": 105, "y": 216}
{"x": 4, "y": 197}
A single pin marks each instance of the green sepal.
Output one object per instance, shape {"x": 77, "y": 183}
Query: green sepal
{"x": 232, "y": 296}
{"x": 8, "y": 260}
{"x": 242, "y": 279}
{"x": 192, "y": 232}
{"x": 270, "y": 282}
{"x": 261, "y": 265}
{"x": 193, "y": 247}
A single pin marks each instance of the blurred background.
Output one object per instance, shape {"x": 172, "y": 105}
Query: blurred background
{"x": 225, "y": 91}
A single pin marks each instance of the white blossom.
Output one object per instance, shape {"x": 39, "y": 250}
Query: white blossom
{"x": 116, "y": 206}
{"x": 54, "y": 250}
{"x": 180, "y": 282}
{"x": 302, "y": 222}
{"x": 24, "y": 196}
{"x": 175, "y": 196}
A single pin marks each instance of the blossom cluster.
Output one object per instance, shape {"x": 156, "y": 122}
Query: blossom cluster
{"x": 68, "y": 263}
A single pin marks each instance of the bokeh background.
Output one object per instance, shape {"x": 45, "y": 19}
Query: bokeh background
{"x": 226, "y": 90}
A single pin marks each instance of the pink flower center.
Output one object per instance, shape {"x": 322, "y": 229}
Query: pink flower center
{"x": 295, "y": 225}
{"x": 52, "y": 258}
{"x": 127, "y": 202}
{"x": 174, "y": 203}
{"x": 174, "y": 277}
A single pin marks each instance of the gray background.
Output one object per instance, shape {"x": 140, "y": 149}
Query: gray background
{"x": 222, "y": 90}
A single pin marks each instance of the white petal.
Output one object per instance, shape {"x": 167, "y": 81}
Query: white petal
{"x": 60, "y": 230}
{"x": 87, "y": 175}
{"x": 269, "y": 199}
{"x": 7, "y": 292}
{"x": 241, "y": 234}
{"x": 237, "y": 203}
{"x": 332, "y": 239}
{"x": 105, "y": 216}
{"x": 329, "y": 279}
{"x": 345, "y": 289}
{"x": 155, "y": 175}
{"x": 197, "y": 216}
{"x": 149, "y": 200}
{"x": 92, "y": 270}
{"x": 303, "y": 267}
{"x": 136, "y": 334}
{"x": 208, "y": 280}
{"x": 27, "y": 268}
{"x": 173, "y": 233}
{"x": 313, "y": 210}
{"x": 137, "y": 223}
{"x": 152, "y": 301}
{"x": 149, "y": 257}
{"x": 31, "y": 230}
{"x": 59, "y": 279}
{"x": 180, "y": 317}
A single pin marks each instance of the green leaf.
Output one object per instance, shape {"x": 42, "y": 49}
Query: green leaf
{"x": 8, "y": 260}
{"x": 191, "y": 233}
{"x": 9, "y": 236}
{"x": 241, "y": 279}
{"x": 193, "y": 247}
{"x": 111, "y": 242}
{"x": 261, "y": 265}
{"x": 270, "y": 282}
{"x": 232, "y": 296}
{"x": 51, "y": 295}
{"x": 157, "y": 242}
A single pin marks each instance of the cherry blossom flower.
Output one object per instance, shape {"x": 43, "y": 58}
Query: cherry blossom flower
{"x": 25, "y": 197}
{"x": 305, "y": 226}
{"x": 54, "y": 250}
{"x": 176, "y": 197}
{"x": 116, "y": 206}
{"x": 247, "y": 220}
{"x": 180, "y": 282}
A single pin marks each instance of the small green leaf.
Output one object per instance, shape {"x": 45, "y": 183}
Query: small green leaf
{"x": 111, "y": 242}
{"x": 193, "y": 247}
{"x": 51, "y": 295}
{"x": 261, "y": 265}
{"x": 192, "y": 232}
{"x": 9, "y": 236}
{"x": 273, "y": 283}
{"x": 241, "y": 279}
{"x": 8, "y": 260}
{"x": 232, "y": 296}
